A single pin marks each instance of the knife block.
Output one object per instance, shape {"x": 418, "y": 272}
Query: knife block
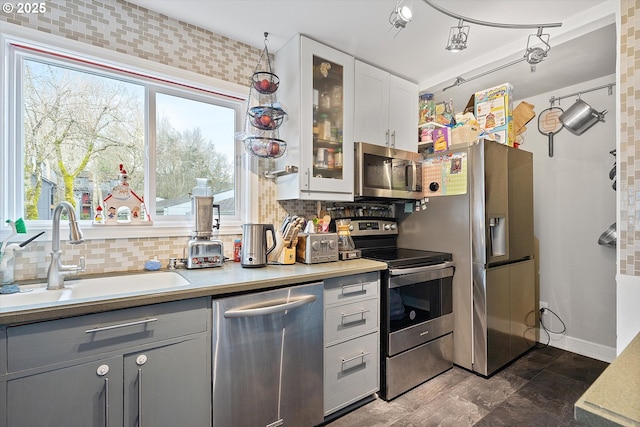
{"x": 287, "y": 256}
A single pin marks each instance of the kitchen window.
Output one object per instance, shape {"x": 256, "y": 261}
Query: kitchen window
{"x": 75, "y": 121}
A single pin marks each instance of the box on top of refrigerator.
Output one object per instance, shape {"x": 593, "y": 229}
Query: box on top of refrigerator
{"x": 493, "y": 109}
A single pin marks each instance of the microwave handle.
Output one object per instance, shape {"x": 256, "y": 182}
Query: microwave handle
{"x": 410, "y": 176}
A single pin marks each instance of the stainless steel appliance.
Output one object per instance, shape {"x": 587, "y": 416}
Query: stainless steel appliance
{"x": 489, "y": 231}
{"x": 268, "y": 358}
{"x": 416, "y": 307}
{"x": 385, "y": 172}
{"x": 202, "y": 250}
{"x": 316, "y": 248}
{"x": 254, "y": 252}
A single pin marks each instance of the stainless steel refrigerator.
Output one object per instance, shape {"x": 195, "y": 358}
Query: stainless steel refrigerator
{"x": 481, "y": 210}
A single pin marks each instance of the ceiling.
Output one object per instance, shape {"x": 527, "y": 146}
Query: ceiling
{"x": 582, "y": 49}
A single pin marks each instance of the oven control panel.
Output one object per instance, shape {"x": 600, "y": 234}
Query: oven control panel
{"x": 376, "y": 227}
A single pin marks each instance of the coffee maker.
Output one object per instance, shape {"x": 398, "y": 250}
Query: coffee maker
{"x": 202, "y": 250}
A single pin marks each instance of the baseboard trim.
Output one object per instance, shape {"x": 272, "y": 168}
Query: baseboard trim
{"x": 582, "y": 347}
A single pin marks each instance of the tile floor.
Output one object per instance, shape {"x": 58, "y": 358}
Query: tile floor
{"x": 539, "y": 390}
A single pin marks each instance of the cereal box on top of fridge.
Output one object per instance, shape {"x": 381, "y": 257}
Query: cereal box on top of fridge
{"x": 494, "y": 112}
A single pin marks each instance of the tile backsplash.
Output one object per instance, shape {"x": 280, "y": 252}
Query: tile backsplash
{"x": 628, "y": 168}
{"x": 105, "y": 255}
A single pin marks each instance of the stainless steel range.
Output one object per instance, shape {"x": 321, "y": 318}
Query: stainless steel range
{"x": 416, "y": 308}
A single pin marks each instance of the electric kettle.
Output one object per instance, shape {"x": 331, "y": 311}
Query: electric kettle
{"x": 254, "y": 250}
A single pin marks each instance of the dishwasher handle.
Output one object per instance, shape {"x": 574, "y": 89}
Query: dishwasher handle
{"x": 270, "y": 309}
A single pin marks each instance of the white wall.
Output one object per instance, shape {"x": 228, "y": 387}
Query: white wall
{"x": 573, "y": 204}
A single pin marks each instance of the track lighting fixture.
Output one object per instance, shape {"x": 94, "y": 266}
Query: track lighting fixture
{"x": 401, "y": 15}
{"x": 458, "y": 37}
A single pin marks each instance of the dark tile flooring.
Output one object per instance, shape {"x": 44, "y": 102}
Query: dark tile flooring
{"x": 538, "y": 390}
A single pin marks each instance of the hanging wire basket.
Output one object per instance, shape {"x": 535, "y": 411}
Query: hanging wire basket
{"x": 265, "y": 82}
{"x": 266, "y": 117}
{"x": 264, "y": 147}
{"x": 261, "y": 137}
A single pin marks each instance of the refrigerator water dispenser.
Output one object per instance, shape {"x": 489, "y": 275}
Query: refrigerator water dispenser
{"x": 498, "y": 234}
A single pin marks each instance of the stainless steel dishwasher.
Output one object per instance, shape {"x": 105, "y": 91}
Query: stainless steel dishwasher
{"x": 267, "y": 358}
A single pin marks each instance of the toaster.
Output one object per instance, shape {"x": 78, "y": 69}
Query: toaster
{"x": 317, "y": 248}
{"x": 204, "y": 253}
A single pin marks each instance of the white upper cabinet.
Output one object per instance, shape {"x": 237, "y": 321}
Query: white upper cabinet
{"x": 316, "y": 89}
{"x": 386, "y": 108}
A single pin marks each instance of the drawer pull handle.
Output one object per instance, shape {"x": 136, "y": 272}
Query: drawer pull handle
{"x": 121, "y": 325}
{"x": 360, "y": 313}
{"x": 359, "y": 291}
{"x": 424, "y": 333}
{"x": 361, "y": 356}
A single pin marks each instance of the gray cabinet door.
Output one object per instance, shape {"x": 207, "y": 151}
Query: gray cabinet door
{"x": 84, "y": 395}
{"x": 168, "y": 386}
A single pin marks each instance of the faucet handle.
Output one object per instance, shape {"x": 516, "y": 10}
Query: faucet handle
{"x": 82, "y": 265}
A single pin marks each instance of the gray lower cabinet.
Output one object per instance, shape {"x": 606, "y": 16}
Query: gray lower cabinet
{"x": 144, "y": 366}
{"x": 351, "y": 340}
{"x": 77, "y": 396}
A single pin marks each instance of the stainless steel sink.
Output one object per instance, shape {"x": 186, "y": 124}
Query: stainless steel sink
{"x": 93, "y": 288}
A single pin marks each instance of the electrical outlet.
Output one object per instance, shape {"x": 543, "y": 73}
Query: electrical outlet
{"x": 543, "y": 304}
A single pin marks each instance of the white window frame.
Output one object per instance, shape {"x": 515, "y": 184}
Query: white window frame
{"x": 182, "y": 82}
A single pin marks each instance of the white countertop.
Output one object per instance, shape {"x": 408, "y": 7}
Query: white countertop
{"x": 228, "y": 279}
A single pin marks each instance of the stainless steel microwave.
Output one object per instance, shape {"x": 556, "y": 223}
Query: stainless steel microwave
{"x": 385, "y": 172}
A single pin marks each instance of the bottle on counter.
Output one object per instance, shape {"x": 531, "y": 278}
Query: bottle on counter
{"x": 237, "y": 248}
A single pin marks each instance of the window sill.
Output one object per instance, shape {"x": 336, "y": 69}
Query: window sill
{"x": 94, "y": 232}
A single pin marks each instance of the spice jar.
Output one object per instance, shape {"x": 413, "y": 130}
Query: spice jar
{"x": 331, "y": 159}
{"x": 337, "y": 163}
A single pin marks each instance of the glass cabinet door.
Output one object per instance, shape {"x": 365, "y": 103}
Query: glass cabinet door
{"x": 328, "y": 113}
{"x": 327, "y": 132}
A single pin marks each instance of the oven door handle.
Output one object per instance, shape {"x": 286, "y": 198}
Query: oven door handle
{"x": 399, "y": 271}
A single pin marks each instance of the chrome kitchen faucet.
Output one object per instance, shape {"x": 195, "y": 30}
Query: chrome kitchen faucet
{"x": 57, "y": 271}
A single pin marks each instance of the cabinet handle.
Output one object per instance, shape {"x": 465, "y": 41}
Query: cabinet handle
{"x": 351, "y": 359}
{"x": 121, "y": 325}
{"x": 106, "y": 402}
{"x": 139, "y": 397}
{"x": 361, "y": 320}
{"x": 386, "y": 138}
{"x": 308, "y": 179}
{"x": 362, "y": 289}
{"x": 393, "y": 138}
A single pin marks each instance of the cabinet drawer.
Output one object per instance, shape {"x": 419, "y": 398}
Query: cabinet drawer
{"x": 44, "y": 343}
{"x": 350, "y": 288}
{"x": 351, "y": 372}
{"x": 348, "y": 320}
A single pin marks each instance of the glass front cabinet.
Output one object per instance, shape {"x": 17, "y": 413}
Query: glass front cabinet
{"x": 317, "y": 91}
